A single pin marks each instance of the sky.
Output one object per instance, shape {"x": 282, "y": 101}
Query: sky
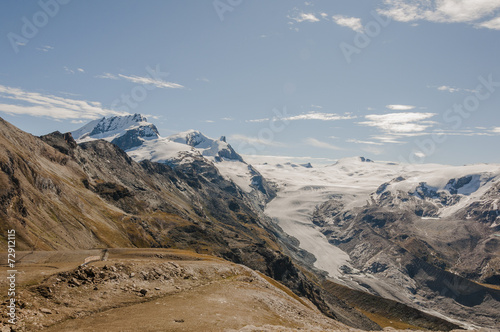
{"x": 401, "y": 80}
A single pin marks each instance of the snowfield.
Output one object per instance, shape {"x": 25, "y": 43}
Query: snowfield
{"x": 302, "y": 189}
{"x": 353, "y": 180}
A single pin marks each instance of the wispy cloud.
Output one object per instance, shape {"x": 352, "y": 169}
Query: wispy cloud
{"x": 475, "y": 12}
{"x": 319, "y": 144}
{"x": 320, "y": 116}
{"x": 353, "y": 23}
{"x": 451, "y": 89}
{"x": 73, "y": 71}
{"x": 159, "y": 83}
{"x": 46, "y": 105}
{"x": 406, "y": 122}
{"x": 227, "y": 119}
{"x": 356, "y": 141}
{"x": 400, "y": 107}
{"x": 312, "y": 115}
{"x": 203, "y": 79}
{"x": 392, "y": 139}
{"x": 258, "y": 120}
{"x": 45, "y": 48}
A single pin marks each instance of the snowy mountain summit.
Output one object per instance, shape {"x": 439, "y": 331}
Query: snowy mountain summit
{"x": 125, "y": 131}
{"x": 207, "y": 146}
{"x": 142, "y": 141}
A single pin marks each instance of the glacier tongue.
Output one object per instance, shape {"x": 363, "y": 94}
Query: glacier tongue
{"x": 302, "y": 188}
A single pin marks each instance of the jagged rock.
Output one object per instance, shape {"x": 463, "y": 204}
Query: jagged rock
{"x": 46, "y": 311}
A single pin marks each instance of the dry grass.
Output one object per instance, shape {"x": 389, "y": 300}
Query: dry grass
{"x": 384, "y": 321}
{"x": 283, "y": 288}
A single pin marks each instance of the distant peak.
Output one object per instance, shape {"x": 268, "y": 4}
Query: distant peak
{"x": 190, "y": 137}
{"x": 351, "y": 160}
{"x": 365, "y": 160}
{"x": 223, "y": 139}
{"x": 139, "y": 118}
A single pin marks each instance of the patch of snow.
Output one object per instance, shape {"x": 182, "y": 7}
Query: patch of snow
{"x": 237, "y": 172}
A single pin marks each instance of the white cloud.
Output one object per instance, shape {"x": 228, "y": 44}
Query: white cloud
{"x": 388, "y": 139}
{"x": 364, "y": 142}
{"x": 159, "y": 83}
{"x": 444, "y": 11}
{"x": 319, "y": 116}
{"x": 407, "y": 122}
{"x": 45, "y": 105}
{"x": 453, "y": 89}
{"x": 80, "y": 70}
{"x": 419, "y": 154}
{"x": 319, "y": 144}
{"x": 304, "y": 17}
{"x": 209, "y": 121}
{"x": 496, "y": 130}
{"x": 493, "y": 24}
{"x": 227, "y": 119}
{"x": 400, "y": 107}
{"x": 258, "y": 120}
{"x": 309, "y": 116}
{"x": 447, "y": 88}
{"x": 353, "y": 23}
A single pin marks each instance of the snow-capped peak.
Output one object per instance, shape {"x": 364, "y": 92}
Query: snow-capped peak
{"x": 141, "y": 140}
{"x": 125, "y": 131}
{"x": 191, "y": 137}
{"x": 208, "y": 147}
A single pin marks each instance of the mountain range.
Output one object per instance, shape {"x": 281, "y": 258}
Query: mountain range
{"x": 360, "y": 239}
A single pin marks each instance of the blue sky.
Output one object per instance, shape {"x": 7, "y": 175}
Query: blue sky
{"x": 413, "y": 81}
